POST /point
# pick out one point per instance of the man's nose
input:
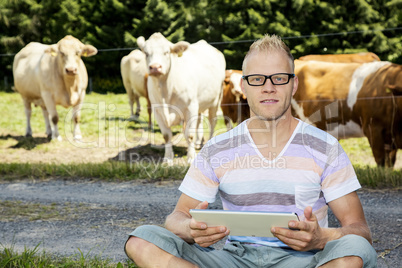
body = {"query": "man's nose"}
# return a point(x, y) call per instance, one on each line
point(268, 86)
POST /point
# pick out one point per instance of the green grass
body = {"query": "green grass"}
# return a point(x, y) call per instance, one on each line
point(377, 177)
point(110, 171)
point(96, 109)
point(372, 177)
point(32, 258)
point(102, 117)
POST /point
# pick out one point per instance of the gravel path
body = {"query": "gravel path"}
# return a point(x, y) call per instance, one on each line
point(67, 217)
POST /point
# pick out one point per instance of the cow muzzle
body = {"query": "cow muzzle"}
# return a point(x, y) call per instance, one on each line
point(71, 71)
point(155, 69)
point(238, 95)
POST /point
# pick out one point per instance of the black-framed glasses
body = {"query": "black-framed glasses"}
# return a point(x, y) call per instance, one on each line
point(260, 79)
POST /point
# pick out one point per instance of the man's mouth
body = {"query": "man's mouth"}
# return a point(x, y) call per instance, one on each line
point(269, 101)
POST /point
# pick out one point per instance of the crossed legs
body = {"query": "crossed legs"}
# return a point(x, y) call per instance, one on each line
point(146, 254)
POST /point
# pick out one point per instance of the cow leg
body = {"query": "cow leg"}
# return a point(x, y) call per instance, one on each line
point(138, 109)
point(51, 108)
point(131, 98)
point(192, 120)
point(28, 112)
point(239, 109)
point(212, 119)
point(149, 108)
point(47, 123)
point(377, 144)
point(228, 122)
point(390, 155)
point(200, 132)
point(134, 116)
point(167, 136)
point(77, 118)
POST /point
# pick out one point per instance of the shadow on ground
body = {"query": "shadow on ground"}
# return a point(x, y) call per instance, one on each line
point(23, 142)
point(148, 152)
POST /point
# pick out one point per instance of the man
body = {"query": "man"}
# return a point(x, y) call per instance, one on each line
point(271, 162)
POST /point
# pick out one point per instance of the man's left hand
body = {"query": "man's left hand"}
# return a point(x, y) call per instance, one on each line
point(307, 236)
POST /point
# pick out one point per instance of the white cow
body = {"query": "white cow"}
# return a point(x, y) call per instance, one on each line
point(50, 75)
point(134, 72)
point(184, 81)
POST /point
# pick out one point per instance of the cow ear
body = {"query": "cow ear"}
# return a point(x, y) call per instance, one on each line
point(394, 90)
point(228, 73)
point(141, 42)
point(52, 49)
point(179, 48)
point(89, 51)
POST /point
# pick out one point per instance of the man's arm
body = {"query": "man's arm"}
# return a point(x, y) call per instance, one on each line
point(183, 225)
point(349, 212)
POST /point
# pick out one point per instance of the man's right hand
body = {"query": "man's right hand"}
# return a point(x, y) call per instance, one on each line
point(204, 235)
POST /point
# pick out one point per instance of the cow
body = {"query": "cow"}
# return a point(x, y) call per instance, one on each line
point(184, 81)
point(354, 57)
point(234, 103)
point(353, 100)
point(50, 75)
point(134, 72)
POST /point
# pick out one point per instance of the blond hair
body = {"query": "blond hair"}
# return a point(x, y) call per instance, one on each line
point(267, 44)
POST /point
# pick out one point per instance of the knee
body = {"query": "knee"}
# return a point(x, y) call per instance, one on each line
point(55, 119)
point(361, 243)
point(135, 248)
point(359, 249)
point(349, 261)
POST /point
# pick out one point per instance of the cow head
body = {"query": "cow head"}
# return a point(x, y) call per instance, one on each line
point(232, 79)
point(159, 52)
point(394, 79)
point(68, 52)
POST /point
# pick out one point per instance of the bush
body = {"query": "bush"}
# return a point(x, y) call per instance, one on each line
point(6, 84)
point(106, 85)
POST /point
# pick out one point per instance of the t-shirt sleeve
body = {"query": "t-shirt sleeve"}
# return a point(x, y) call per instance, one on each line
point(200, 181)
point(339, 177)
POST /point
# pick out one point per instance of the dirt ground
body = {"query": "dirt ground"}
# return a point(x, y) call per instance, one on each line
point(65, 217)
point(39, 150)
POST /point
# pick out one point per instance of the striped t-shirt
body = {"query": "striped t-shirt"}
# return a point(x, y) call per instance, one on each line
point(311, 170)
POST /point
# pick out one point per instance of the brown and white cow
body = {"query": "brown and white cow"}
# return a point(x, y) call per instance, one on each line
point(354, 57)
point(134, 72)
point(353, 100)
point(184, 81)
point(50, 75)
point(234, 103)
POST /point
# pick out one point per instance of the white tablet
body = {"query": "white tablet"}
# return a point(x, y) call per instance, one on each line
point(244, 223)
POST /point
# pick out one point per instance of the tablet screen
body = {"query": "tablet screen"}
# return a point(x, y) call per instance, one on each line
point(244, 223)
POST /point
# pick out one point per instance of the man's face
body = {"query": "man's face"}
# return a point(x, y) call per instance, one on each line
point(269, 102)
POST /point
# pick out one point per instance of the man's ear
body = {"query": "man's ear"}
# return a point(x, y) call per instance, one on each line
point(242, 88)
point(295, 85)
